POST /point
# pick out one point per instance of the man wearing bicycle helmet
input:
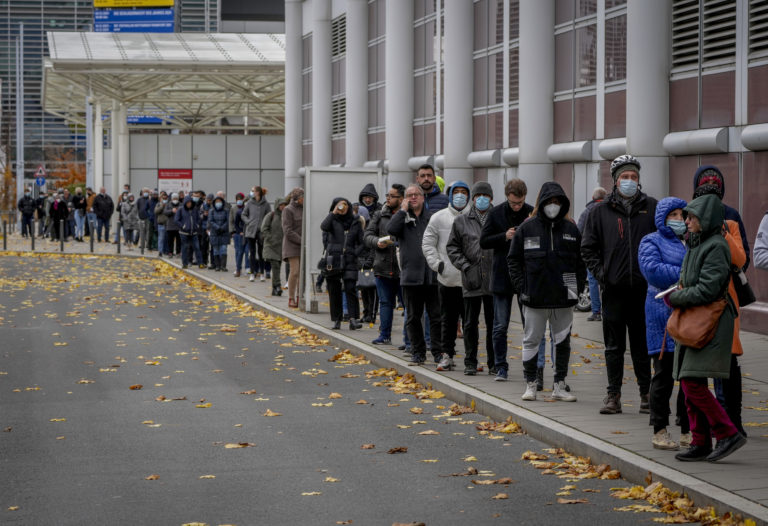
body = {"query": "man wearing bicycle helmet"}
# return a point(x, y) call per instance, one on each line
point(609, 248)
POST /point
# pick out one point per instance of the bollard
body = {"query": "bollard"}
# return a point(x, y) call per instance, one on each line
point(141, 236)
point(93, 234)
point(32, 236)
point(5, 235)
point(119, 228)
point(61, 235)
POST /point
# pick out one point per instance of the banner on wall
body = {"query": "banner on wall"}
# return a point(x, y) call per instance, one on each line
point(173, 180)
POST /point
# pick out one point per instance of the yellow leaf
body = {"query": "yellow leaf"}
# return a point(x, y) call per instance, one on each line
point(136, 387)
point(204, 406)
point(311, 493)
point(334, 395)
point(469, 458)
point(330, 479)
point(152, 477)
point(207, 476)
point(13, 508)
point(402, 426)
point(429, 460)
point(429, 432)
point(361, 402)
point(318, 404)
point(500, 496)
point(269, 412)
point(416, 410)
point(58, 420)
point(147, 422)
point(238, 445)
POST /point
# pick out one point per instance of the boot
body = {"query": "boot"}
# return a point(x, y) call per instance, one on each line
point(354, 324)
point(540, 379)
point(612, 404)
point(223, 263)
point(213, 265)
point(275, 291)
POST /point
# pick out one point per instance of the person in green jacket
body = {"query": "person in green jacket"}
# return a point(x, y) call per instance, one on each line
point(272, 236)
point(704, 278)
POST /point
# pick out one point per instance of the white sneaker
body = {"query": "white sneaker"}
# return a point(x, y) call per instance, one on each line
point(662, 440)
point(685, 440)
point(559, 393)
point(252, 278)
point(262, 278)
point(530, 391)
point(446, 363)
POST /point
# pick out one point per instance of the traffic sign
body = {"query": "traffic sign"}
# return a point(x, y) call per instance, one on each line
point(40, 181)
point(40, 171)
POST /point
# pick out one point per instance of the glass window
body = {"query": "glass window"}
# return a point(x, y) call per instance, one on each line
point(609, 4)
point(586, 42)
point(495, 22)
point(496, 78)
point(564, 61)
point(481, 25)
point(481, 82)
point(514, 75)
point(564, 10)
point(616, 48)
point(587, 7)
point(514, 19)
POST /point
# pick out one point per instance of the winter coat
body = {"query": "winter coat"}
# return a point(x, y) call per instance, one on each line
point(704, 278)
point(89, 203)
point(142, 203)
point(293, 216)
point(370, 190)
point(344, 242)
point(585, 213)
point(26, 205)
point(544, 258)
point(253, 215)
point(58, 211)
point(494, 236)
point(660, 257)
point(738, 260)
point(436, 200)
point(160, 216)
point(40, 203)
point(129, 215)
point(384, 259)
point(272, 232)
point(236, 225)
point(612, 238)
point(103, 206)
point(464, 251)
point(171, 225)
point(188, 219)
point(218, 225)
point(409, 231)
point(434, 242)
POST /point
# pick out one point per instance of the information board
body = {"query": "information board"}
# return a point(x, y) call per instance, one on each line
point(173, 180)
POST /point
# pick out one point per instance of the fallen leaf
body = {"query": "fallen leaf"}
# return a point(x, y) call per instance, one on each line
point(530, 455)
point(331, 479)
point(58, 420)
point(13, 508)
point(619, 433)
point(8, 429)
point(430, 432)
point(269, 412)
point(416, 410)
point(136, 387)
point(500, 496)
point(571, 501)
point(403, 426)
point(207, 477)
point(469, 458)
point(152, 477)
point(401, 449)
point(238, 445)
point(429, 460)
point(250, 392)
point(85, 381)
point(334, 395)
point(361, 402)
point(367, 446)
point(204, 406)
point(311, 493)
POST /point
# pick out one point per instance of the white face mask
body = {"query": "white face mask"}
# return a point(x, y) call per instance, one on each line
point(551, 210)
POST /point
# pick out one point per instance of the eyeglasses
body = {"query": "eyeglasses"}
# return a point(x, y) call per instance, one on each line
point(412, 195)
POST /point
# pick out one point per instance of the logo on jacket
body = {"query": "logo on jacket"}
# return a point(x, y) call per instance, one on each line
point(531, 243)
point(569, 237)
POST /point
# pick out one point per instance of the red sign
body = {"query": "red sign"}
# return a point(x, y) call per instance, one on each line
point(173, 180)
point(170, 173)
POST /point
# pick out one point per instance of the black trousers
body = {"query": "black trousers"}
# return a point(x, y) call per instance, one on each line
point(624, 312)
point(173, 240)
point(205, 245)
point(336, 286)
point(660, 393)
point(471, 325)
point(728, 392)
point(417, 298)
point(451, 307)
point(370, 303)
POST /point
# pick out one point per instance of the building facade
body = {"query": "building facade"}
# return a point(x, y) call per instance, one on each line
point(541, 90)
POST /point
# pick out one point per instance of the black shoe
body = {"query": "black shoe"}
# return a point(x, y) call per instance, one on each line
point(727, 446)
point(492, 370)
point(417, 359)
point(540, 379)
point(366, 319)
point(185, 266)
point(336, 325)
point(470, 370)
point(401, 347)
point(354, 324)
point(595, 317)
point(694, 454)
point(611, 404)
point(274, 291)
point(645, 406)
point(345, 317)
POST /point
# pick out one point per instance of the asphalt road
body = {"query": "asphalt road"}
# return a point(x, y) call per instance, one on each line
point(79, 446)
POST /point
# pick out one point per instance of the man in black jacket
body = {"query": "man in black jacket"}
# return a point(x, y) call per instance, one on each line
point(609, 247)
point(103, 207)
point(26, 206)
point(497, 234)
point(417, 279)
point(385, 266)
point(547, 271)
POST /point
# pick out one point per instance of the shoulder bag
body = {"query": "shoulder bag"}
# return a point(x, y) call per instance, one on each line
point(744, 291)
point(696, 326)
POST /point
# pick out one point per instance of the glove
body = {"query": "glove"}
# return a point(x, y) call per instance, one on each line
point(441, 267)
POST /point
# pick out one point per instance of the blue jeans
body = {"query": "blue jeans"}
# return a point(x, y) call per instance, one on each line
point(196, 246)
point(542, 359)
point(594, 293)
point(90, 217)
point(161, 245)
point(26, 225)
point(102, 223)
point(502, 304)
point(239, 251)
point(79, 223)
point(387, 290)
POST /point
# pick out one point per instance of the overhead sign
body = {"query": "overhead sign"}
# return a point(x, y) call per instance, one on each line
point(144, 119)
point(173, 180)
point(132, 15)
point(133, 3)
point(133, 27)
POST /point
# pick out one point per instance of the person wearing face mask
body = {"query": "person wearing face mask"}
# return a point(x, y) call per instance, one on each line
point(58, 213)
point(78, 205)
point(272, 233)
point(609, 246)
point(475, 264)
point(129, 217)
point(218, 234)
point(162, 221)
point(103, 207)
point(434, 245)
point(172, 236)
point(26, 206)
point(188, 219)
point(236, 230)
point(254, 211)
point(545, 266)
point(660, 257)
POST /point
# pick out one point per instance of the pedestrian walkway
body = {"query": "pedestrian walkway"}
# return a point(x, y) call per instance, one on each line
point(738, 484)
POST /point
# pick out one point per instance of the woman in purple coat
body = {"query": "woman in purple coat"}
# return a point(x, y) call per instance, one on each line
point(660, 256)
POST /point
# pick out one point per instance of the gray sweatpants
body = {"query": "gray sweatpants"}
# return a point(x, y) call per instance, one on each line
point(560, 320)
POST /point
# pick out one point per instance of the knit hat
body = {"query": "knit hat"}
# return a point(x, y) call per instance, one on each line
point(708, 180)
point(624, 161)
point(239, 195)
point(481, 187)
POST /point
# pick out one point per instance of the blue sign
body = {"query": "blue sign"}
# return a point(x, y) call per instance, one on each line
point(133, 27)
point(40, 181)
point(133, 15)
point(144, 119)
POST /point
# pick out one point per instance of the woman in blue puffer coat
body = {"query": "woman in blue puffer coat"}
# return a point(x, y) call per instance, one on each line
point(661, 256)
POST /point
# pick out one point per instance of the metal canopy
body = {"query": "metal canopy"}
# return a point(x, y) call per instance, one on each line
point(190, 81)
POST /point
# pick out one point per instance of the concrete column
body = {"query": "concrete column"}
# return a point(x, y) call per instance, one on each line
point(398, 97)
point(123, 153)
point(98, 148)
point(293, 60)
point(459, 17)
point(321, 82)
point(115, 143)
point(537, 87)
point(648, 90)
point(357, 83)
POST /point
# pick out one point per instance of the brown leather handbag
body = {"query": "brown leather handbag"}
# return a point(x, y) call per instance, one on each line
point(696, 326)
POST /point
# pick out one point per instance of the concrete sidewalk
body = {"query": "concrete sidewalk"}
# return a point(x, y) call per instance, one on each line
point(738, 484)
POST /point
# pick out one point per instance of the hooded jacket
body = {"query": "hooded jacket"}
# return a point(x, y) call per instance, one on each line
point(344, 242)
point(187, 218)
point(26, 205)
point(731, 214)
point(409, 231)
point(612, 236)
point(704, 278)
point(435, 200)
point(660, 257)
point(494, 236)
point(370, 190)
point(436, 236)
point(218, 224)
point(253, 214)
point(544, 258)
point(129, 215)
point(272, 232)
point(171, 225)
point(475, 263)
point(385, 259)
point(293, 216)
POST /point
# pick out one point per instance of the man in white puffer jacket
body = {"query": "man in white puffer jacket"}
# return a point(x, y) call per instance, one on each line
point(449, 277)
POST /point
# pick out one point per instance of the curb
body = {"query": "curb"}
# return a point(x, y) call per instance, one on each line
point(633, 467)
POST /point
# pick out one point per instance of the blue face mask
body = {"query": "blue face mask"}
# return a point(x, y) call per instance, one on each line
point(195, 199)
point(628, 187)
point(677, 226)
point(218, 205)
point(239, 202)
point(459, 200)
point(482, 202)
